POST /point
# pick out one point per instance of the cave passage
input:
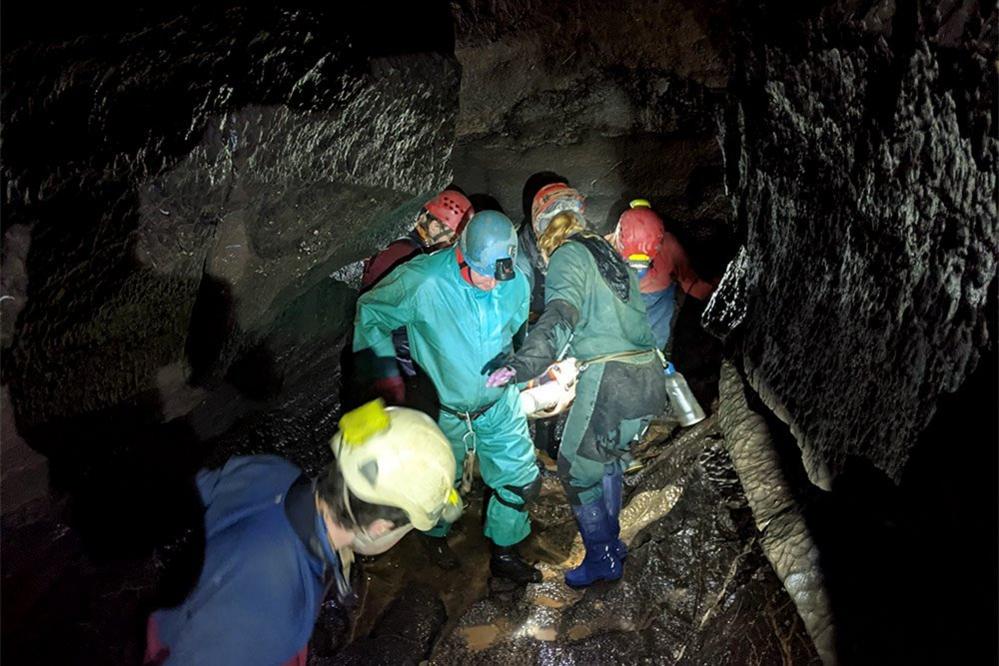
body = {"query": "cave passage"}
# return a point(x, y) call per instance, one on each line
point(189, 197)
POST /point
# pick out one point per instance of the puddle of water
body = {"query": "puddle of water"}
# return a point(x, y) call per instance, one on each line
point(479, 637)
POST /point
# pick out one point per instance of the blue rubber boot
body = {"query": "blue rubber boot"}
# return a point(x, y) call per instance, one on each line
point(600, 562)
point(612, 501)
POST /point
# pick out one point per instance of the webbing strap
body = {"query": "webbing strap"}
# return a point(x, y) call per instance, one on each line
point(468, 416)
point(617, 356)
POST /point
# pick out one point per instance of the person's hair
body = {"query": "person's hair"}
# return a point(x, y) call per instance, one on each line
point(330, 489)
point(561, 227)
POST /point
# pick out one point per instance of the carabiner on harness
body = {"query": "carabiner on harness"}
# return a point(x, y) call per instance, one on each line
point(468, 467)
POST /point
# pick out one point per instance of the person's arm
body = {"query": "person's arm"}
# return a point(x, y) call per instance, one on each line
point(683, 272)
point(390, 305)
point(565, 288)
point(386, 307)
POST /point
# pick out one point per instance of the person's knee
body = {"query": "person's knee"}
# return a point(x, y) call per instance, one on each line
point(531, 491)
point(518, 497)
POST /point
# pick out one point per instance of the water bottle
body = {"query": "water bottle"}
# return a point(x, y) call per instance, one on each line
point(685, 407)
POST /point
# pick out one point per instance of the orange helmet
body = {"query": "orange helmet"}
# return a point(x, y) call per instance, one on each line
point(551, 200)
point(451, 208)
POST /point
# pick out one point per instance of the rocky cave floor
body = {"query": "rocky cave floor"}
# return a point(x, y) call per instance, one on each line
point(696, 588)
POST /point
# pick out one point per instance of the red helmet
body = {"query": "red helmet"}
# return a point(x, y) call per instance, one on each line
point(639, 231)
point(452, 208)
point(552, 199)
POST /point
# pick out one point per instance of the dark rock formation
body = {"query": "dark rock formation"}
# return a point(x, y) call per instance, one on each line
point(785, 537)
point(185, 192)
point(861, 157)
point(619, 98)
point(184, 182)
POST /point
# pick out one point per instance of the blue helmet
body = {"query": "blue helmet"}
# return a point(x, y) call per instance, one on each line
point(489, 244)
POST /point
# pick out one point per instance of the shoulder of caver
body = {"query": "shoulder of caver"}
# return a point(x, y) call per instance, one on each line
point(430, 274)
point(414, 275)
point(519, 288)
point(570, 256)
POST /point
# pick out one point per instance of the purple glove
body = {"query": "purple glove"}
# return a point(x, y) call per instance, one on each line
point(501, 377)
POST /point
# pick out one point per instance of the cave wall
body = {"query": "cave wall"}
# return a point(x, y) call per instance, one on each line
point(861, 155)
point(187, 190)
point(183, 176)
point(620, 99)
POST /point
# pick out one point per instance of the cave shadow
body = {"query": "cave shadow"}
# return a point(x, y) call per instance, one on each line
point(126, 491)
point(534, 183)
point(214, 346)
point(482, 201)
point(357, 383)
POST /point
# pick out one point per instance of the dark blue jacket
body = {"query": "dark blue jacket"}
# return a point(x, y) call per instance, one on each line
point(261, 586)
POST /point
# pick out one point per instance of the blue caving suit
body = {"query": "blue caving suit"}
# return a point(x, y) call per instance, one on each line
point(262, 583)
point(455, 330)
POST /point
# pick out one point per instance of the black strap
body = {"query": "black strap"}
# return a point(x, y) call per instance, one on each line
point(499, 498)
point(469, 415)
point(300, 508)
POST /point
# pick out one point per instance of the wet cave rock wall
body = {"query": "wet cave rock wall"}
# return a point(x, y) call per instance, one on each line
point(861, 157)
point(187, 192)
point(192, 178)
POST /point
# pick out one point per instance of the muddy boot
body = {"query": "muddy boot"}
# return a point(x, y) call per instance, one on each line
point(600, 562)
point(612, 501)
point(440, 552)
point(505, 562)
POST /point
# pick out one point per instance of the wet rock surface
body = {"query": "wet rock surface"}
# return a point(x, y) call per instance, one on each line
point(861, 157)
point(216, 167)
point(785, 537)
point(620, 99)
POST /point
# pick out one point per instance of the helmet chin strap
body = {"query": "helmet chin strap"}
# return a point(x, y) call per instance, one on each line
point(423, 231)
point(345, 554)
point(463, 268)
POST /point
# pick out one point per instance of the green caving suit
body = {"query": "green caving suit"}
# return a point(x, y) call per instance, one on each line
point(454, 330)
point(596, 307)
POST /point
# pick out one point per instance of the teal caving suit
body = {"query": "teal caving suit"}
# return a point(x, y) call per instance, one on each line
point(593, 303)
point(455, 330)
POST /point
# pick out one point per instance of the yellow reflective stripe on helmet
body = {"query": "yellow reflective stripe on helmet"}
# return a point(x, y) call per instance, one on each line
point(359, 424)
point(639, 203)
point(639, 257)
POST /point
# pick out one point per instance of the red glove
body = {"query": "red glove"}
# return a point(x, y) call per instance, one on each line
point(391, 389)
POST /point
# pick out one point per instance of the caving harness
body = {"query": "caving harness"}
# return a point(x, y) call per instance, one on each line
point(469, 440)
point(569, 388)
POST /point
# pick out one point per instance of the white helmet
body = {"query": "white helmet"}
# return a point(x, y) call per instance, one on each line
point(398, 457)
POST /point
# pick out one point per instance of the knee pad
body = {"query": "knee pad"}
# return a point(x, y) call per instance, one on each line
point(532, 490)
point(526, 493)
